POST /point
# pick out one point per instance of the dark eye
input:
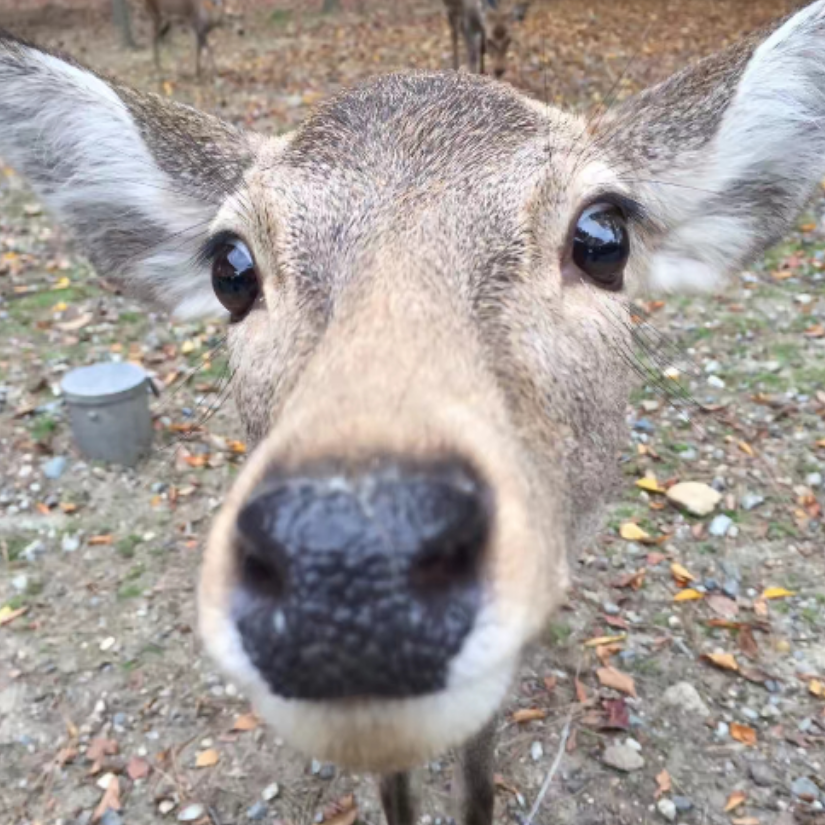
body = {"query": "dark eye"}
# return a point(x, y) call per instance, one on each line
point(234, 277)
point(601, 245)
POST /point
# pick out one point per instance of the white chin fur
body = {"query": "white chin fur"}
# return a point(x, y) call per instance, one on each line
point(377, 735)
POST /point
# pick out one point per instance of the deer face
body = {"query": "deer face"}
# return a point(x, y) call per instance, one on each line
point(426, 287)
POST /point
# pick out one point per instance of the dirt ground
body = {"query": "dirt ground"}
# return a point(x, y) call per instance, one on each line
point(102, 678)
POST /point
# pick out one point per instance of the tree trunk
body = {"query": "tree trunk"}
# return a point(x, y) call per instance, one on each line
point(122, 18)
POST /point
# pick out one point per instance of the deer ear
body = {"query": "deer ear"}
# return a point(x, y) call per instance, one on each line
point(726, 154)
point(138, 179)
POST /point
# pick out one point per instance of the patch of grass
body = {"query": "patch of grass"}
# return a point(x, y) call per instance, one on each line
point(126, 546)
point(16, 602)
point(661, 619)
point(34, 587)
point(129, 591)
point(43, 427)
point(135, 572)
point(280, 17)
point(38, 301)
point(131, 317)
point(811, 615)
point(15, 545)
point(558, 633)
point(647, 667)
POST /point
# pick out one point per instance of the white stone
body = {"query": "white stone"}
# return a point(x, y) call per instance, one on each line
point(695, 497)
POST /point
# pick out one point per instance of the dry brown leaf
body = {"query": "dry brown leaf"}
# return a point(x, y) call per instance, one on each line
point(604, 652)
point(745, 448)
point(653, 559)
point(725, 661)
point(529, 715)
point(98, 540)
point(747, 643)
point(723, 606)
point(207, 759)
point(98, 750)
point(246, 721)
point(745, 820)
point(612, 678)
point(598, 641)
point(581, 692)
point(632, 580)
point(736, 799)
point(664, 782)
point(137, 768)
point(109, 801)
point(760, 607)
point(743, 733)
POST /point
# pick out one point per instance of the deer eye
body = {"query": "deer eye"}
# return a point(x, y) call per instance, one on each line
point(601, 245)
point(234, 277)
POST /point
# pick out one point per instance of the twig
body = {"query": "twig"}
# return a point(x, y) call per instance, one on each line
point(565, 735)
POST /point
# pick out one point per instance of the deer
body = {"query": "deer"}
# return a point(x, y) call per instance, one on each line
point(202, 16)
point(485, 26)
point(428, 292)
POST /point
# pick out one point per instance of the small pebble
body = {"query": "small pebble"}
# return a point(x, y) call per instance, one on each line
point(111, 818)
point(762, 774)
point(55, 467)
point(327, 772)
point(610, 608)
point(814, 479)
point(270, 792)
point(623, 758)
point(256, 811)
point(632, 743)
point(731, 588)
point(191, 812)
point(683, 804)
point(804, 787)
point(722, 730)
point(108, 643)
point(536, 751)
point(685, 697)
point(751, 500)
point(720, 525)
point(667, 808)
point(166, 806)
point(716, 381)
point(69, 543)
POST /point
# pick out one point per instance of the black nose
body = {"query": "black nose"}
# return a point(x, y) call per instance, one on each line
point(361, 585)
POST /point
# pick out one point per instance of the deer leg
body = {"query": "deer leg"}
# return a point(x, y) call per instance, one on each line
point(478, 790)
point(454, 24)
point(397, 799)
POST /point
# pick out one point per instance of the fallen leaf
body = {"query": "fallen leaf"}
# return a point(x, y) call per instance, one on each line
point(664, 782)
point(612, 678)
point(723, 606)
point(207, 758)
point(681, 574)
point(246, 721)
point(598, 641)
point(75, 324)
point(745, 820)
point(747, 643)
point(725, 661)
point(736, 799)
point(110, 801)
point(777, 593)
point(618, 715)
point(687, 595)
point(816, 687)
point(760, 607)
point(616, 621)
point(745, 448)
point(581, 693)
point(650, 484)
point(632, 580)
point(754, 674)
point(655, 558)
point(529, 715)
point(99, 540)
point(137, 768)
point(604, 652)
point(237, 447)
point(8, 615)
point(99, 748)
point(632, 532)
point(743, 733)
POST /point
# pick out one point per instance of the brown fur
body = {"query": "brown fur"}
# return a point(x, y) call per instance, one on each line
point(419, 300)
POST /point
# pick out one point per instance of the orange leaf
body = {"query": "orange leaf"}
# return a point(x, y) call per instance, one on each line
point(98, 540)
point(681, 574)
point(604, 652)
point(207, 759)
point(236, 447)
point(598, 641)
point(736, 799)
point(816, 688)
point(745, 448)
point(664, 783)
point(687, 595)
point(747, 643)
point(109, 801)
point(529, 715)
point(612, 678)
point(745, 820)
point(743, 733)
point(725, 661)
point(68, 507)
point(246, 721)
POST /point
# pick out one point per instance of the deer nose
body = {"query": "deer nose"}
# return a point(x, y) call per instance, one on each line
point(361, 585)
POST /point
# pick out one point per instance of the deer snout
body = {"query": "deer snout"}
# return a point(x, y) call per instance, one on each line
point(360, 585)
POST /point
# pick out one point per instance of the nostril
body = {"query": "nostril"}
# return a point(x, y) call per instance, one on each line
point(263, 559)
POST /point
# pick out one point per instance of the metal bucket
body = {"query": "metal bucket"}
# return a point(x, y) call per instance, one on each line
point(109, 411)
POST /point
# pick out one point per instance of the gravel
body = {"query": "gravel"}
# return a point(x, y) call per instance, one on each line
point(623, 758)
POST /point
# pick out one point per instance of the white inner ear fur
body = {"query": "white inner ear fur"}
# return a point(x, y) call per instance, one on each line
point(75, 120)
point(774, 127)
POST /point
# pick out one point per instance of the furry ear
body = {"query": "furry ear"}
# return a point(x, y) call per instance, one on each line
point(726, 154)
point(137, 178)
